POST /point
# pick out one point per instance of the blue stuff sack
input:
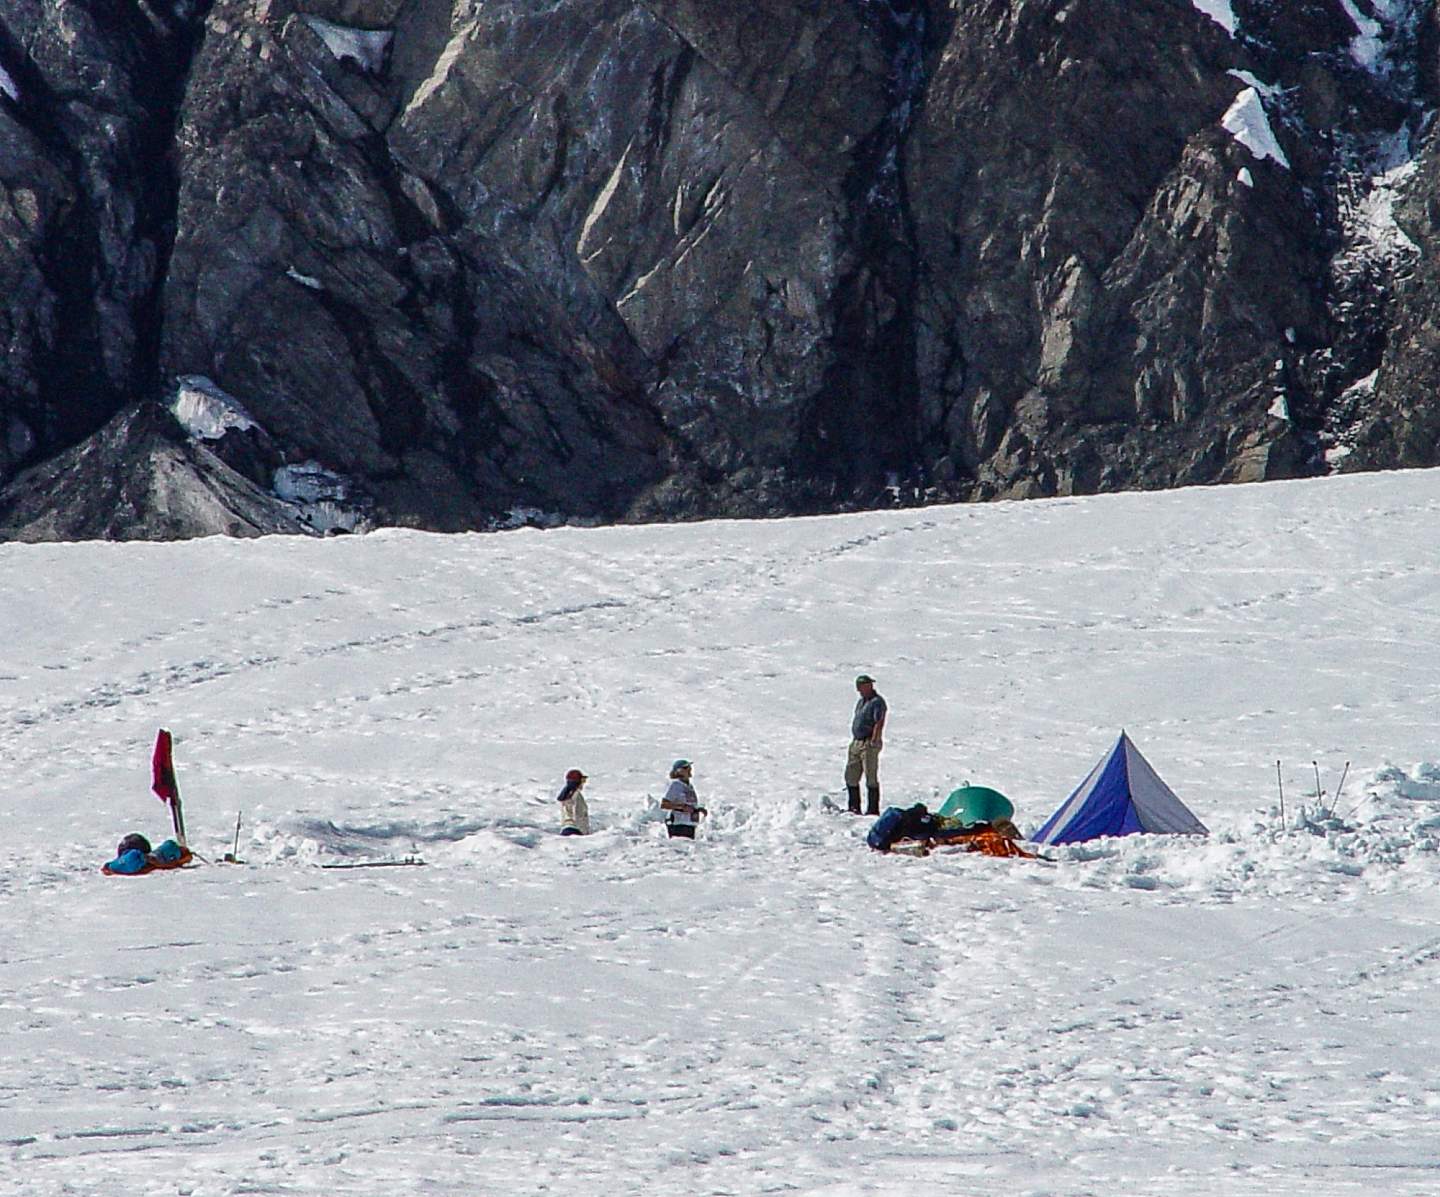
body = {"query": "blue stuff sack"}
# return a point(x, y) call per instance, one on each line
point(129, 862)
point(169, 851)
point(886, 829)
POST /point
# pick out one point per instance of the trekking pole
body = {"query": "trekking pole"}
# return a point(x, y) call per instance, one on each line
point(177, 816)
point(1280, 781)
point(1336, 800)
point(234, 854)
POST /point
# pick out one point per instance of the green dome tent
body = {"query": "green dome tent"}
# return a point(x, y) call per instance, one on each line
point(977, 804)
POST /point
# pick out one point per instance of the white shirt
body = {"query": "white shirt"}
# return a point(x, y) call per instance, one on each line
point(682, 792)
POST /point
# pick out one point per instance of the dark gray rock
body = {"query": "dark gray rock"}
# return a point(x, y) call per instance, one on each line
point(140, 478)
point(667, 258)
point(86, 205)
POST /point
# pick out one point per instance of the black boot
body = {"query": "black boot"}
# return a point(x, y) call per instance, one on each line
point(873, 795)
point(854, 792)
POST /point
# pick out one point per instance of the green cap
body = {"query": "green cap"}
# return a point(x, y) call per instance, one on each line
point(863, 678)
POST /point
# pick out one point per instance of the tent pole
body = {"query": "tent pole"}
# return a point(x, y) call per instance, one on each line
point(1280, 781)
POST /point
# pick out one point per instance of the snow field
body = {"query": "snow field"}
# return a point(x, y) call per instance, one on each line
point(772, 1008)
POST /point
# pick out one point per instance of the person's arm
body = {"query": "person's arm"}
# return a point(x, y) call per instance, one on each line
point(877, 733)
point(676, 798)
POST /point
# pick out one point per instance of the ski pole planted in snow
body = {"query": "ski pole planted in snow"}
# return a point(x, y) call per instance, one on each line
point(1280, 781)
point(233, 856)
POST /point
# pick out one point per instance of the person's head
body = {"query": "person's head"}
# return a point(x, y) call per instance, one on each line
point(681, 769)
point(133, 842)
point(865, 684)
point(575, 778)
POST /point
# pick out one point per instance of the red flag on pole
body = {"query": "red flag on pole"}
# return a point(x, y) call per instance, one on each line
point(164, 784)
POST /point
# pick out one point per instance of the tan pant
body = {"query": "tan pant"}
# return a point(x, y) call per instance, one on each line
point(863, 757)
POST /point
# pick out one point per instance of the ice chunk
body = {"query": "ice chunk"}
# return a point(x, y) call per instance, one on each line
point(308, 483)
point(323, 497)
point(207, 412)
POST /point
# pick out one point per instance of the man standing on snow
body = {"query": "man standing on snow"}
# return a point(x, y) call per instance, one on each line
point(867, 737)
point(682, 803)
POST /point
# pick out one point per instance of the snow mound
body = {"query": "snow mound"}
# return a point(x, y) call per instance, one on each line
point(1386, 838)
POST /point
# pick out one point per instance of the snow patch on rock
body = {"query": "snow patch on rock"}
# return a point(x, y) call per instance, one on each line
point(1245, 120)
point(309, 281)
point(1219, 11)
point(1375, 30)
point(366, 48)
point(1369, 43)
point(1367, 208)
point(7, 85)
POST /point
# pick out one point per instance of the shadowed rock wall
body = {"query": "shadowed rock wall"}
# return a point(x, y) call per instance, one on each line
point(616, 259)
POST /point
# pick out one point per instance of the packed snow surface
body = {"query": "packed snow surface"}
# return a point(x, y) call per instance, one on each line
point(772, 1008)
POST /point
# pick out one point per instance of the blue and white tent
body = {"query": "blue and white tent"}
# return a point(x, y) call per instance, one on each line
point(1122, 796)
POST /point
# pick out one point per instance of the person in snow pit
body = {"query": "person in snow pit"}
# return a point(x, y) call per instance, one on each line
point(682, 803)
point(867, 738)
point(574, 810)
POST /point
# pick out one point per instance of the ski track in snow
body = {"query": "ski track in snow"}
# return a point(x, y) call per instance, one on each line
point(772, 1009)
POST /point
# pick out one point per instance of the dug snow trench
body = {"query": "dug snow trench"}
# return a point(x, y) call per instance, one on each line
point(773, 1008)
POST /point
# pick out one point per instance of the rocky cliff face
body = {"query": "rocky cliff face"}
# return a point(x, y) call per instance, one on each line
point(470, 262)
